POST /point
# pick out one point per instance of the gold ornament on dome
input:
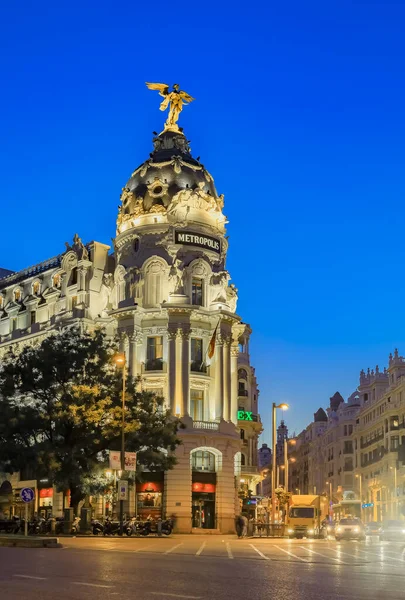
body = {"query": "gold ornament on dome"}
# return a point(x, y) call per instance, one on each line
point(174, 100)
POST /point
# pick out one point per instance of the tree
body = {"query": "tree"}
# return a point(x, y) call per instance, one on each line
point(60, 413)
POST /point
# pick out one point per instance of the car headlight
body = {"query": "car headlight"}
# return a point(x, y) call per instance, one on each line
point(356, 529)
point(338, 530)
point(290, 530)
point(311, 531)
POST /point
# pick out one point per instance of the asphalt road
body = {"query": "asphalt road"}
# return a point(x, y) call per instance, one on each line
point(204, 568)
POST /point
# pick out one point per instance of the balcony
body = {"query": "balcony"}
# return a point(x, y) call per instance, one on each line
point(153, 364)
point(375, 439)
point(198, 367)
point(243, 393)
point(249, 469)
point(211, 425)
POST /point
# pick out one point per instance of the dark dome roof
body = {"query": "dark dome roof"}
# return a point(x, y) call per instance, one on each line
point(336, 400)
point(169, 169)
point(320, 416)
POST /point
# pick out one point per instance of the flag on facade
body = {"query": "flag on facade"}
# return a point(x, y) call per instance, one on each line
point(211, 347)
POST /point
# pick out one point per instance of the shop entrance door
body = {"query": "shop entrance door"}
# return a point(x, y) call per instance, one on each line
point(203, 510)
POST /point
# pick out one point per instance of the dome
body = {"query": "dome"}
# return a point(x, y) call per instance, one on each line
point(320, 416)
point(170, 169)
point(336, 400)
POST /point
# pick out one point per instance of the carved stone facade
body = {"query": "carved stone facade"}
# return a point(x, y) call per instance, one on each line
point(165, 291)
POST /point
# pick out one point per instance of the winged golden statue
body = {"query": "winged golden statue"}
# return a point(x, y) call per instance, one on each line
point(176, 99)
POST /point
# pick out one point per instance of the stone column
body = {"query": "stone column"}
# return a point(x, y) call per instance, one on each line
point(178, 394)
point(234, 383)
point(171, 368)
point(185, 370)
point(134, 340)
point(227, 381)
point(219, 377)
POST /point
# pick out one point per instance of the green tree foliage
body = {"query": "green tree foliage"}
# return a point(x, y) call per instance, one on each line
point(60, 413)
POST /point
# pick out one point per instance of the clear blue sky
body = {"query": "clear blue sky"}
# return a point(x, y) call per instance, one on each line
point(300, 117)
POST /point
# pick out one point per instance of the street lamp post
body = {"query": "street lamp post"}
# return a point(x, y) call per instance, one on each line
point(360, 478)
point(120, 360)
point(329, 483)
point(274, 458)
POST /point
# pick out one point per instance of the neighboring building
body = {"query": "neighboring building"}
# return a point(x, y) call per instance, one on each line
point(165, 291)
point(380, 441)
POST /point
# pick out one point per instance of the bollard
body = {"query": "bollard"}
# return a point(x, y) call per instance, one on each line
point(159, 527)
point(53, 525)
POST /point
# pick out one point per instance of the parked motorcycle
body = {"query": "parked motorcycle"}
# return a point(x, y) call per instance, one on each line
point(75, 526)
point(111, 527)
point(97, 527)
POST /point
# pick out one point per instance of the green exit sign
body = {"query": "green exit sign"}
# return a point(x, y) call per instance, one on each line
point(245, 415)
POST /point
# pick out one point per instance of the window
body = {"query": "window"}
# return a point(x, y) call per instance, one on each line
point(242, 460)
point(73, 276)
point(56, 281)
point(74, 302)
point(17, 295)
point(350, 429)
point(394, 442)
point(13, 324)
point(154, 353)
point(242, 391)
point(242, 434)
point(345, 430)
point(197, 291)
point(33, 316)
point(202, 460)
point(36, 288)
point(365, 397)
point(242, 374)
point(197, 405)
point(197, 359)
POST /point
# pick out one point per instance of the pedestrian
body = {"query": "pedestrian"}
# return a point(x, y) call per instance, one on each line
point(239, 526)
point(245, 525)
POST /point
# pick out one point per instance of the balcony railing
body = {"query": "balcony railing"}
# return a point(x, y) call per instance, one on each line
point(212, 425)
point(198, 367)
point(154, 364)
point(375, 439)
point(243, 393)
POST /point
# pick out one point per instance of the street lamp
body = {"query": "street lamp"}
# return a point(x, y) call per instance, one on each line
point(282, 406)
point(360, 478)
point(120, 361)
point(329, 483)
point(286, 473)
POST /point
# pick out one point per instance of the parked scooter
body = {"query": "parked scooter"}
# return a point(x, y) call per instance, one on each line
point(75, 526)
point(97, 527)
point(111, 527)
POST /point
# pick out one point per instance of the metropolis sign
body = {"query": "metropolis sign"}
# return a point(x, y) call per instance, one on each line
point(189, 238)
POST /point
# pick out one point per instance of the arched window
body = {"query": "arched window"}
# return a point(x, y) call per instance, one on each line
point(242, 374)
point(56, 281)
point(17, 295)
point(202, 460)
point(36, 288)
point(155, 275)
point(73, 276)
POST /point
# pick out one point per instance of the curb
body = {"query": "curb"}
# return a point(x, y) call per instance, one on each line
point(25, 542)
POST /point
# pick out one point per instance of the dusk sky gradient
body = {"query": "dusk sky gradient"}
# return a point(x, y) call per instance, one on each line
point(300, 117)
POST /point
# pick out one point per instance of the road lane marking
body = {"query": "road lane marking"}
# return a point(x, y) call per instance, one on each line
point(228, 549)
point(175, 595)
point(291, 554)
point(31, 577)
point(142, 548)
point(324, 555)
point(201, 548)
point(97, 585)
point(258, 552)
point(382, 557)
point(173, 548)
point(338, 551)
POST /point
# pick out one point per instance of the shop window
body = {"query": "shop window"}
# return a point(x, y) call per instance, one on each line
point(197, 405)
point(197, 291)
point(197, 359)
point(202, 460)
point(154, 353)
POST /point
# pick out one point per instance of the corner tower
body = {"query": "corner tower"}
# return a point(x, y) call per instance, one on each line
point(175, 310)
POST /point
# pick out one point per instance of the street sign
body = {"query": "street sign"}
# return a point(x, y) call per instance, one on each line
point(367, 505)
point(122, 490)
point(27, 494)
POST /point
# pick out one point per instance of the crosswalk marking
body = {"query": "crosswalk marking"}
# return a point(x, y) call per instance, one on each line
point(173, 548)
point(293, 555)
point(201, 548)
point(323, 555)
point(261, 553)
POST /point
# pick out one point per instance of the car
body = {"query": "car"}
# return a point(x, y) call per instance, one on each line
point(393, 531)
point(350, 529)
point(373, 528)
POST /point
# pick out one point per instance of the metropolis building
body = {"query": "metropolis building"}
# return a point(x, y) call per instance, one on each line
point(165, 291)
